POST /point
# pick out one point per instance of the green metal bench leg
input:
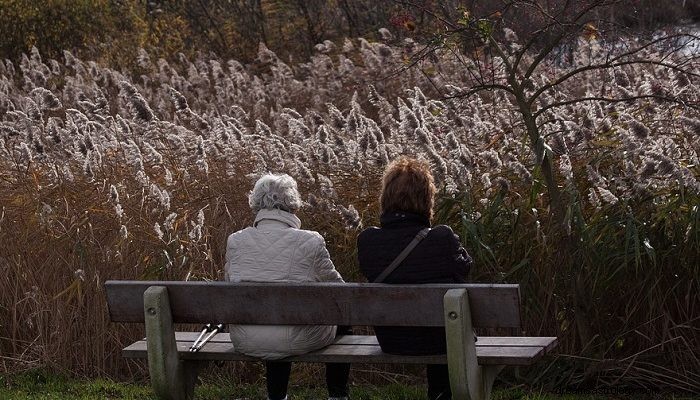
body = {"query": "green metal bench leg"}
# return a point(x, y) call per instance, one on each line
point(468, 380)
point(164, 365)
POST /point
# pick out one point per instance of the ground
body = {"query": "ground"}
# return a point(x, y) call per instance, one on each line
point(39, 385)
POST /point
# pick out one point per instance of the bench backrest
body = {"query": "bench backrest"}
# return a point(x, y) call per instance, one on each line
point(492, 306)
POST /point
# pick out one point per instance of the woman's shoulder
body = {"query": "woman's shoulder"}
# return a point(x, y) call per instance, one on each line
point(308, 234)
point(369, 232)
point(441, 230)
point(239, 235)
point(443, 233)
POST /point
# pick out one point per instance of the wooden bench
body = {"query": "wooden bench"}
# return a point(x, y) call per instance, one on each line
point(473, 366)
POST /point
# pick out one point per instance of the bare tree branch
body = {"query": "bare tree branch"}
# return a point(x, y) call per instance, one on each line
point(480, 88)
point(558, 38)
point(692, 105)
point(586, 68)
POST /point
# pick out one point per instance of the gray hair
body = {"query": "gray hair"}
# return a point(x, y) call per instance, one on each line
point(273, 191)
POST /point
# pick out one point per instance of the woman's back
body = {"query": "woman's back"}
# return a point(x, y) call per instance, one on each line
point(436, 259)
point(276, 250)
point(439, 258)
point(406, 204)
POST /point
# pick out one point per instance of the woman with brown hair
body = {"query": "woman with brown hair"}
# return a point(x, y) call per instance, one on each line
point(405, 250)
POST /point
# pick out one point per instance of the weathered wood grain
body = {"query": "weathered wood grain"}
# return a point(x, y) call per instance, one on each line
point(462, 361)
point(486, 355)
point(165, 369)
point(548, 343)
point(494, 306)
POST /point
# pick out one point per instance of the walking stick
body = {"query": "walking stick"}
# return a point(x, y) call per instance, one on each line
point(208, 328)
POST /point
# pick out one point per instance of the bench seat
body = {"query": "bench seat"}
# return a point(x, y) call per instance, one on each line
point(497, 350)
point(461, 309)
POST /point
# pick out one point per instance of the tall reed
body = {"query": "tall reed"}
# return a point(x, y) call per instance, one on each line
point(106, 176)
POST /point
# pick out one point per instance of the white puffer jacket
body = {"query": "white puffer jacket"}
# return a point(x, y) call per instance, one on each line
point(274, 249)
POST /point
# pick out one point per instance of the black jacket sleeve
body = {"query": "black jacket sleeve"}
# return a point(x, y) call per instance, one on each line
point(459, 258)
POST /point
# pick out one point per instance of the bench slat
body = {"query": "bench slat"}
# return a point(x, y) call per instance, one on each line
point(493, 306)
point(487, 354)
point(548, 343)
point(491, 341)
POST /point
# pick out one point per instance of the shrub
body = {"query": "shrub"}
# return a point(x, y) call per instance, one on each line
point(110, 176)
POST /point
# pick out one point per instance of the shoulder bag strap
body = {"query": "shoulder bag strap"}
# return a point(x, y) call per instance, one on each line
point(420, 236)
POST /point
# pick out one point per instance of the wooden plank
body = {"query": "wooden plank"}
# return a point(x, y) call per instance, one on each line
point(316, 303)
point(548, 343)
point(486, 355)
point(357, 340)
point(493, 341)
point(462, 362)
point(164, 366)
point(224, 338)
point(191, 336)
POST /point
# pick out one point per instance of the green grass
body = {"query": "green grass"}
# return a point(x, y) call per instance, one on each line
point(39, 385)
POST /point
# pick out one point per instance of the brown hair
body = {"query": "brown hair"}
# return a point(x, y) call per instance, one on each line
point(408, 186)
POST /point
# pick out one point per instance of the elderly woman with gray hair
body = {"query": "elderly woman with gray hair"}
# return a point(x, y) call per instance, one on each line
point(275, 249)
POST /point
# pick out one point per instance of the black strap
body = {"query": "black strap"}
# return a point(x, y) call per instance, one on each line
point(420, 236)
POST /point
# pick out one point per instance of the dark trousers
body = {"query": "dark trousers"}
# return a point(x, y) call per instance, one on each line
point(438, 382)
point(277, 375)
point(337, 380)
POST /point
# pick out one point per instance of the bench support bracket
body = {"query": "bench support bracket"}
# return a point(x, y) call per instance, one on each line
point(171, 378)
point(468, 380)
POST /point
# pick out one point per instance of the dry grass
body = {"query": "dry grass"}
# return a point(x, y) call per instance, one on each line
point(621, 290)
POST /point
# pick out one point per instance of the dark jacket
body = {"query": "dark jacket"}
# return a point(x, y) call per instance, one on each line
point(439, 258)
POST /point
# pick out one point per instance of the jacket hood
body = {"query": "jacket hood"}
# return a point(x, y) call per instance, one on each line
point(395, 219)
point(279, 216)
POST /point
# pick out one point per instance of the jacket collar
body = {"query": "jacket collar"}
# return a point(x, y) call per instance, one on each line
point(395, 219)
point(277, 217)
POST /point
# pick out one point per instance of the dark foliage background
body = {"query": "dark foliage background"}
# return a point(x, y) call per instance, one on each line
point(113, 30)
point(170, 92)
